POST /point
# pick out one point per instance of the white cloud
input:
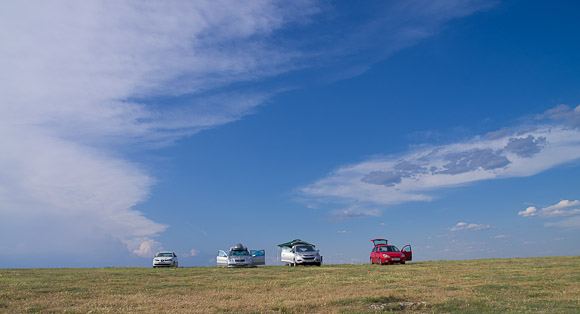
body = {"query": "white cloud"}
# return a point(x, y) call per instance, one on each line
point(193, 252)
point(72, 76)
point(465, 226)
point(417, 174)
point(562, 204)
point(341, 231)
point(557, 210)
point(148, 248)
point(530, 211)
point(500, 236)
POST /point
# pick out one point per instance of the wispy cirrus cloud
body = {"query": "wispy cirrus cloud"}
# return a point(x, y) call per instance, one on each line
point(416, 175)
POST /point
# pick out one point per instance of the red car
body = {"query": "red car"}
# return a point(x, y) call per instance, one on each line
point(384, 253)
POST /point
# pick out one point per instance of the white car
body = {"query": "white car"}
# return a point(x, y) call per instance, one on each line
point(165, 259)
point(298, 252)
point(239, 256)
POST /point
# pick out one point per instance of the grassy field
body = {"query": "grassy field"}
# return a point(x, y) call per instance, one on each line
point(536, 285)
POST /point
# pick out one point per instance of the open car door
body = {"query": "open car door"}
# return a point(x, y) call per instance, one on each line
point(258, 257)
point(222, 258)
point(408, 253)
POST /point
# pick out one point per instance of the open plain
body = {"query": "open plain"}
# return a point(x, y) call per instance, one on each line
point(537, 285)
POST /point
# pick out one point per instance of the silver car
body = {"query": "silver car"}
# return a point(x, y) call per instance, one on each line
point(239, 256)
point(165, 259)
point(298, 252)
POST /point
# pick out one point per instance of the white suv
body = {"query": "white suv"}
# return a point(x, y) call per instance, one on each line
point(298, 252)
point(165, 259)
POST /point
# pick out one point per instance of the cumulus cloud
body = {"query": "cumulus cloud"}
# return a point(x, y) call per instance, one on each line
point(562, 204)
point(465, 226)
point(416, 175)
point(148, 248)
point(558, 210)
point(530, 211)
point(193, 252)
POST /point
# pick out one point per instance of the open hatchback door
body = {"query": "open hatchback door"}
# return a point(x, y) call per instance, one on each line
point(408, 253)
point(258, 257)
point(380, 241)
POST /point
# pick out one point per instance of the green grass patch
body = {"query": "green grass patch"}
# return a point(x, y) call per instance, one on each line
point(523, 285)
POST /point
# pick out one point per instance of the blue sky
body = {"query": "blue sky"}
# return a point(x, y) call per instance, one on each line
point(128, 128)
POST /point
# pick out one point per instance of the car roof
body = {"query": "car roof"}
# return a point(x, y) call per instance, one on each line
point(166, 252)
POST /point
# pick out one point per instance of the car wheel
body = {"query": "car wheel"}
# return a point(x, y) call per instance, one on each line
point(176, 265)
point(402, 262)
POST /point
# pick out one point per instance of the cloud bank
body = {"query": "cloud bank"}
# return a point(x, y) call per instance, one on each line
point(551, 140)
point(75, 76)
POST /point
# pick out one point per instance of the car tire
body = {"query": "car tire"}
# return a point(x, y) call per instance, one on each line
point(371, 261)
point(176, 265)
point(402, 263)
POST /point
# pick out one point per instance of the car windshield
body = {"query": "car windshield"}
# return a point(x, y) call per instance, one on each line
point(164, 255)
point(389, 249)
point(305, 248)
point(239, 253)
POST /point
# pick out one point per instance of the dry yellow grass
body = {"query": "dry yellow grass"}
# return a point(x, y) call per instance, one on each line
point(538, 285)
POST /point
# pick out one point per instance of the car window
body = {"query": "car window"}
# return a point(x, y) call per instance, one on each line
point(164, 255)
point(389, 249)
point(305, 248)
point(239, 253)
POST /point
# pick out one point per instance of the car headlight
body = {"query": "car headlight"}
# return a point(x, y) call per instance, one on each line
point(385, 255)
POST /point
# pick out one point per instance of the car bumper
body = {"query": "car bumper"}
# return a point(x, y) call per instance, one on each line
point(392, 261)
point(314, 261)
point(240, 264)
